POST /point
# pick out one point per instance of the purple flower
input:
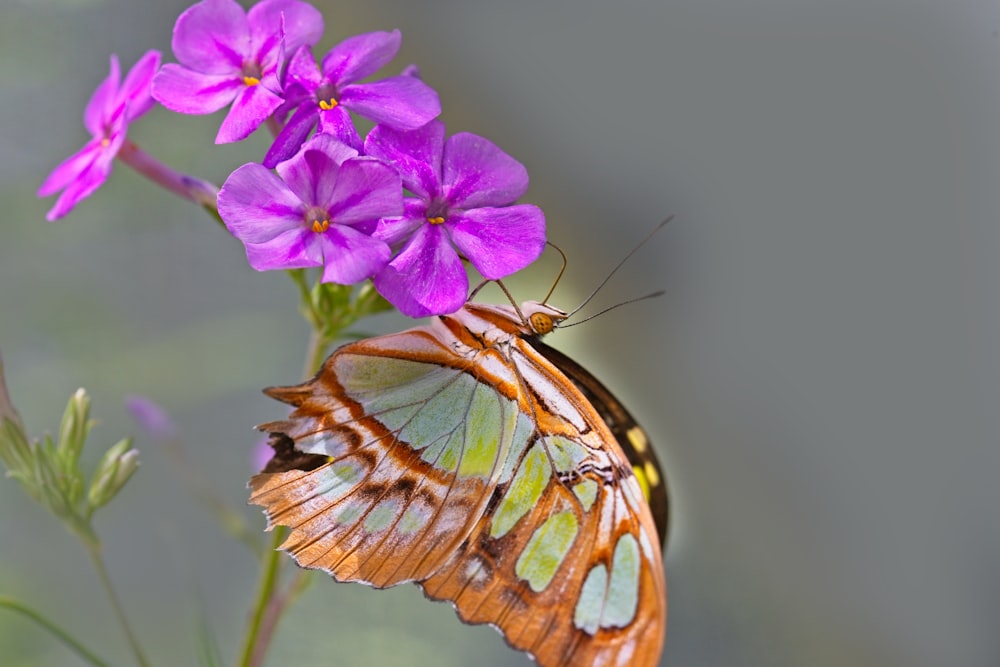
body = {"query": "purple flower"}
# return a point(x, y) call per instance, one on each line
point(326, 95)
point(464, 188)
point(111, 108)
point(321, 212)
point(228, 55)
point(152, 418)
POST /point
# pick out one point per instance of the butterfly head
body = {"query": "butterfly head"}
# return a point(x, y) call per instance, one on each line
point(541, 318)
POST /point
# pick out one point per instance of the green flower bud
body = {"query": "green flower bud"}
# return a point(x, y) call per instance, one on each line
point(73, 430)
point(115, 469)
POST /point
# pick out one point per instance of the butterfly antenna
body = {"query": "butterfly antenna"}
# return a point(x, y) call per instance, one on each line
point(510, 298)
point(561, 270)
point(652, 295)
point(615, 270)
point(475, 290)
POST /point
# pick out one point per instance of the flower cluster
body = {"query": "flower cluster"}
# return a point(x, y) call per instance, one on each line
point(405, 205)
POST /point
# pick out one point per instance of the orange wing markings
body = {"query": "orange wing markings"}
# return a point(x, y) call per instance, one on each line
point(575, 578)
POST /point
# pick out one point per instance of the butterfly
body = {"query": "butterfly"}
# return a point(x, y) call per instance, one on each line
point(492, 470)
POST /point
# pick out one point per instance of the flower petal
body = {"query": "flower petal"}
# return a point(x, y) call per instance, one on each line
point(257, 206)
point(212, 37)
point(103, 101)
point(360, 56)
point(292, 249)
point(366, 190)
point(136, 89)
point(416, 155)
point(476, 173)
point(251, 108)
point(392, 230)
point(337, 121)
point(71, 168)
point(403, 102)
point(351, 256)
point(292, 135)
point(303, 70)
point(186, 91)
point(426, 278)
point(302, 24)
point(313, 172)
point(80, 188)
point(499, 241)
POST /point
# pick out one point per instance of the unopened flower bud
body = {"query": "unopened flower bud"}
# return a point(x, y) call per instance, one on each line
point(115, 469)
point(73, 429)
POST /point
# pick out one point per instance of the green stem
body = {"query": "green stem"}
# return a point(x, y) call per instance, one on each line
point(315, 354)
point(255, 643)
point(251, 653)
point(72, 643)
point(102, 572)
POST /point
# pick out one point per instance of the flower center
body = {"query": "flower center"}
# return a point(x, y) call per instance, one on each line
point(251, 74)
point(437, 212)
point(317, 219)
point(327, 97)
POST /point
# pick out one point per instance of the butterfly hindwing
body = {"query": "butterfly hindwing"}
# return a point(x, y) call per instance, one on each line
point(458, 457)
point(630, 436)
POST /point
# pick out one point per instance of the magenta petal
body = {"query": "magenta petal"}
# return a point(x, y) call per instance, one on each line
point(71, 168)
point(292, 249)
point(366, 189)
point(81, 188)
point(303, 23)
point(476, 173)
point(350, 256)
point(293, 134)
point(212, 37)
point(311, 175)
point(426, 278)
point(138, 84)
point(303, 70)
point(186, 91)
point(103, 100)
point(499, 241)
point(395, 229)
point(257, 206)
point(313, 172)
point(402, 102)
point(251, 108)
point(360, 56)
point(337, 122)
point(416, 155)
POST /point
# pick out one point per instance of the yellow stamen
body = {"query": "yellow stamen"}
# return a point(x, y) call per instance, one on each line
point(326, 105)
point(105, 142)
point(437, 220)
point(320, 226)
point(251, 80)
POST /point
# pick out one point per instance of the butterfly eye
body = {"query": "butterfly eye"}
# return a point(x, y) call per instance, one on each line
point(541, 323)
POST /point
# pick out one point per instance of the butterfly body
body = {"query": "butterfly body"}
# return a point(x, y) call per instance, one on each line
point(458, 456)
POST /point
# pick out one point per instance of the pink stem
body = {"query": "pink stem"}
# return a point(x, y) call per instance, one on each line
point(194, 189)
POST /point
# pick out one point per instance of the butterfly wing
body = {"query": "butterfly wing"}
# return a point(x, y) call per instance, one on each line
point(405, 452)
point(630, 436)
point(485, 476)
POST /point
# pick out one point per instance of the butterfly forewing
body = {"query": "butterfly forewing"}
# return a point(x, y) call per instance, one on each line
point(458, 457)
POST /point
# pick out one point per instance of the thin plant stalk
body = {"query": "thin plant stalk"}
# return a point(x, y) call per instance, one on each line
point(255, 642)
point(102, 573)
point(71, 642)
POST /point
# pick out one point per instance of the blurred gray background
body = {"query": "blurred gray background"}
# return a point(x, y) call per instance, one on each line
point(820, 378)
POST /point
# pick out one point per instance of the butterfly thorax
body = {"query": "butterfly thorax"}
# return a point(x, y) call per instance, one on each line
point(495, 324)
